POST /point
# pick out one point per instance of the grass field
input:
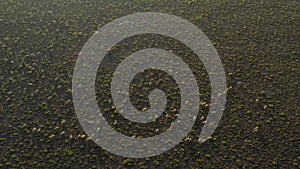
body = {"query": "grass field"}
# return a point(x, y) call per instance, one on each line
point(257, 41)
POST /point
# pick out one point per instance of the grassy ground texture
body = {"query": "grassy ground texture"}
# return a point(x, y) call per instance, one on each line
point(258, 43)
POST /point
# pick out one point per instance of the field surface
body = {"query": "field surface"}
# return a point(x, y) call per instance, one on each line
point(257, 41)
